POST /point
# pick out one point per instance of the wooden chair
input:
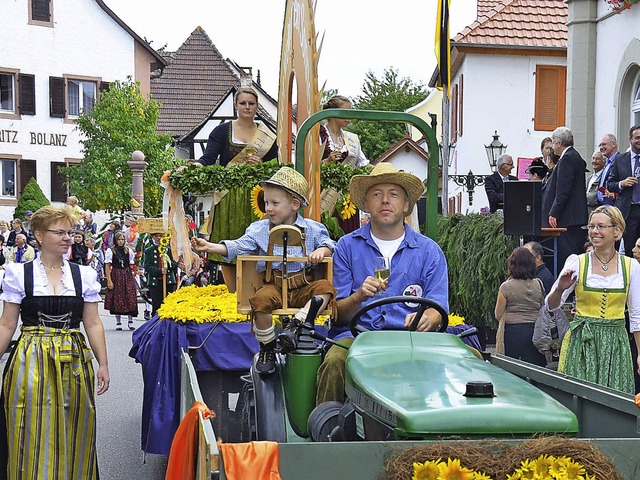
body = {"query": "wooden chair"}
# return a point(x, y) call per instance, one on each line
point(248, 280)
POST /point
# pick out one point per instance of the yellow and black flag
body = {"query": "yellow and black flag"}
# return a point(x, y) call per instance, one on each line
point(443, 46)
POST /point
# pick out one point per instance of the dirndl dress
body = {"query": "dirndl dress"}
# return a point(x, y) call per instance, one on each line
point(596, 347)
point(48, 402)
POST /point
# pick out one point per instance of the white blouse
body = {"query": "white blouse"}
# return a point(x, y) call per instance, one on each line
point(108, 256)
point(595, 280)
point(13, 282)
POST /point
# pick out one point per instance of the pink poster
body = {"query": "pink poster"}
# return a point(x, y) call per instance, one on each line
point(523, 164)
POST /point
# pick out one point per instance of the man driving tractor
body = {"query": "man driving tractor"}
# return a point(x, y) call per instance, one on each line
point(417, 267)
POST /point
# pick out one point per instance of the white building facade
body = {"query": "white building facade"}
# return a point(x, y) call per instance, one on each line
point(57, 57)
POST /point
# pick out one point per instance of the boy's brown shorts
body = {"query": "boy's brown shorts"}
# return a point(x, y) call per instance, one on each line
point(269, 297)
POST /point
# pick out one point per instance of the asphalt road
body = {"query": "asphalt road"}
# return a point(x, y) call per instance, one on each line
point(119, 412)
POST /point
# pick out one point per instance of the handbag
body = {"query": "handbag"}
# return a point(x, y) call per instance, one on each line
point(548, 332)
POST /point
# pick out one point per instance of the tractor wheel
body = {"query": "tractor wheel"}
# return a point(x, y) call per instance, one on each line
point(322, 420)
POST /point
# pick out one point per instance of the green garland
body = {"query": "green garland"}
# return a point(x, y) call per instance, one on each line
point(203, 180)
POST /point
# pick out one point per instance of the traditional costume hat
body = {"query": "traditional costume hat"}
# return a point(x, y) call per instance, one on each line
point(291, 181)
point(384, 172)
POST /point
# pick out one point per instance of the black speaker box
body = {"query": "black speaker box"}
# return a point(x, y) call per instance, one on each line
point(522, 208)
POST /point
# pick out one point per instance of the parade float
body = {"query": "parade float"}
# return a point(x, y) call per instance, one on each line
point(419, 405)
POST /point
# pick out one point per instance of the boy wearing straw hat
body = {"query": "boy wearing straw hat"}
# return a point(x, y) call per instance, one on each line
point(417, 267)
point(284, 194)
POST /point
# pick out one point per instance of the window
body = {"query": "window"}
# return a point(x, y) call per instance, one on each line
point(40, 12)
point(81, 97)
point(70, 97)
point(551, 95)
point(454, 113)
point(7, 178)
point(7, 93)
point(635, 103)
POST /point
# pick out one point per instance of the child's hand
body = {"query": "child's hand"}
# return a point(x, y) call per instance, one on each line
point(199, 244)
point(318, 255)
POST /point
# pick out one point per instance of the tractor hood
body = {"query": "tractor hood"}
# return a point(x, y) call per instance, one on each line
point(417, 384)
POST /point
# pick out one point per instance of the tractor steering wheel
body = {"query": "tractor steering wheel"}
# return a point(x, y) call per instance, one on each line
point(424, 304)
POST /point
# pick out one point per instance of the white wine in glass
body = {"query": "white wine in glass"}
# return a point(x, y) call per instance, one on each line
point(382, 269)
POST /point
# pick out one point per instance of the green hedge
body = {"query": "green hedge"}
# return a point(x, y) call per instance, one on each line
point(476, 250)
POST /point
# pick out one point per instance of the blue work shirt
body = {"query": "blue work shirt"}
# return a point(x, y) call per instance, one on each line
point(255, 241)
point(418, 268)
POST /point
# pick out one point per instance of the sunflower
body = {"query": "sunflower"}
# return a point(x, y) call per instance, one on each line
point(452, 470)
point(426, 470)
point(348, 208)
point(574, 471)
point(257, 201)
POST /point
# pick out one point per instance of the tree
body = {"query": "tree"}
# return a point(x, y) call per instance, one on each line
point(120, 123)
point(387, 93)
point(31, 199)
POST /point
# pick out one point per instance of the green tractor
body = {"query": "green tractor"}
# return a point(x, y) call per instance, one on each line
point(399, 385)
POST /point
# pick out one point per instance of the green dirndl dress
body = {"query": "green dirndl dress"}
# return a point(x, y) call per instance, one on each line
point(596, 347)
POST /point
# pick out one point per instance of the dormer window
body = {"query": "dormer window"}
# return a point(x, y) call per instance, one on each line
point(41, 12)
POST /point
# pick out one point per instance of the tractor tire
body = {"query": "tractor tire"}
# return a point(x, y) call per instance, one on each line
point(322, 421)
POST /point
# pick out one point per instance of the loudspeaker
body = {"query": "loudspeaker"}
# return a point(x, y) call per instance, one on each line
point(522, 208)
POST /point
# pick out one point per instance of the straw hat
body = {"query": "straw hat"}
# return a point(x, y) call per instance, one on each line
point(290, 180)
point(384, 172)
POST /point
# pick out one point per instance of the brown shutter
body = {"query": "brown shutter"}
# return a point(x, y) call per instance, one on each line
point(58, 183)
point(27, 86)
point(56, 97)
point(460, 102)
point(551, 94)
point(105, 86)
point(27, 172)
point(454, 113)
point(40, 10)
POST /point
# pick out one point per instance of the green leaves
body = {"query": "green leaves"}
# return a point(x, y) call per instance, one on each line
point(477, 251)
point(387, 93)
point(120, 123)
point(202, 180)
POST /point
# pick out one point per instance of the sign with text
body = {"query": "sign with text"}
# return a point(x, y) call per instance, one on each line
point(150, 225)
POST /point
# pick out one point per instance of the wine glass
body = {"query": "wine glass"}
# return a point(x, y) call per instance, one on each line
point(381, 270)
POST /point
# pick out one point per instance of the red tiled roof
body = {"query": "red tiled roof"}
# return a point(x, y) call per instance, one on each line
point(518, 23)
point(192, 84)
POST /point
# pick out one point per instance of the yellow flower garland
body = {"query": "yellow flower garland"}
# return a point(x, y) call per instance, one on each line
point(545, 467)
point(212, 303)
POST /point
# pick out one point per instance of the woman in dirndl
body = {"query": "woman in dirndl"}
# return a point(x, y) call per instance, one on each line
point(48, 416)
point(340, 146)
point(122, 295)
point(596, 347)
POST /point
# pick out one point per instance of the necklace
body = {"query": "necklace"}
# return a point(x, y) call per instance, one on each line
point(49, 266)
point(605, 265)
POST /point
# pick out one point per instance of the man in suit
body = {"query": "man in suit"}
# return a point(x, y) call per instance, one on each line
point(609, 148)
point(623, 180)
point(494, 183)
point(567, 189)
point(598, 161)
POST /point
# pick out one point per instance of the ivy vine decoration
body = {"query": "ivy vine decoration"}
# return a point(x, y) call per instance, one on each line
point(207, 179)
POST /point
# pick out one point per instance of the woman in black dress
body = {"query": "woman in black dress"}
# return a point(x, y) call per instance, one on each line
point(121, 298)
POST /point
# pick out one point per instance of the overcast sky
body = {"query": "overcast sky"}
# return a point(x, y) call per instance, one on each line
point(360, 35)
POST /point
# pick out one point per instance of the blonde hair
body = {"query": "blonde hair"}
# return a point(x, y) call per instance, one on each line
point(46, 216)
point(613, 213)
point(335, 102)
point(241, 90)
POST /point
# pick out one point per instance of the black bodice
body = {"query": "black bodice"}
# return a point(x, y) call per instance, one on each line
point(53, 311)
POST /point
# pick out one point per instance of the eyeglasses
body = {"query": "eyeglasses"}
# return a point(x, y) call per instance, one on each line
point(598, 227)
point(62, 233)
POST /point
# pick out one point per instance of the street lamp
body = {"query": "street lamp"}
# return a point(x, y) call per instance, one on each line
point(494, 150)
point(470, 181)
point(452, 152)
